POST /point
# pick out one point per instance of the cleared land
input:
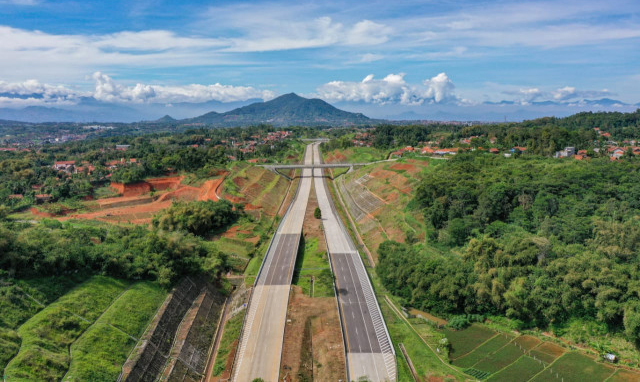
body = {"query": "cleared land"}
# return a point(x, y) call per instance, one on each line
point(378, 196)
point(313, 347)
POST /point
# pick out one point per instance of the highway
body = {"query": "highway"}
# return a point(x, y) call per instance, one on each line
point(260, 347)
point(369, 350)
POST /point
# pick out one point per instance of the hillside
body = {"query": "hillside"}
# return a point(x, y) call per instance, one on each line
point(289, 109)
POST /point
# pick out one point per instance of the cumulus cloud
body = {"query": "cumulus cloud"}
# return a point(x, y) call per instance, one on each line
point(391, 89)
point(569, 92)
point(33, 92)
point(109, 91)
point(564, 94)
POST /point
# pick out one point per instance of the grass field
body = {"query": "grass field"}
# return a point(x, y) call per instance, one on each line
point(231, 334)
point(464, 341)
point(622, 375)
point(521, 370)
point(46, 337)
point(101, 350)
point(425, 361)
point(492, 345)
point(547, 352)
point(22, 299)
point(575, 367)
point(312, 262)
point(355, 154)
point(500, 359)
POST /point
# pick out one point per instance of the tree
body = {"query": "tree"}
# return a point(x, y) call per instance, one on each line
point(317, 213)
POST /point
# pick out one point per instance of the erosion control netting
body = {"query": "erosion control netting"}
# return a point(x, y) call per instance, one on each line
point(156, 351)
point(194, 352)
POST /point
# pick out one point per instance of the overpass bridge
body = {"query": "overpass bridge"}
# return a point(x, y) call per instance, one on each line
point(275, 167)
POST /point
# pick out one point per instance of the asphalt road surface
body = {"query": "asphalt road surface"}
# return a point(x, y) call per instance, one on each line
point(260, 346)
point(370, 353)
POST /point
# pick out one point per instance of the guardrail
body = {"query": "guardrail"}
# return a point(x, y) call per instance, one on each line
point(244, 320)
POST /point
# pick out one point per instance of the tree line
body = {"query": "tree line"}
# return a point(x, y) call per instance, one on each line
point(538, 240)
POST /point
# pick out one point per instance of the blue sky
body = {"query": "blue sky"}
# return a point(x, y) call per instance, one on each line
point(381, 56)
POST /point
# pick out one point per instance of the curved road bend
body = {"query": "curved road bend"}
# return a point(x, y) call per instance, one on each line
point(260, 347)
point(370, 353)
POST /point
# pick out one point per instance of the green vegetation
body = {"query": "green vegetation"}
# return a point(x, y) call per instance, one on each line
point(313, 263)
point(464, 341)
point(199, 218)
point(53, 248)
point(232, 330)
point(47, 335)
point(317, 213)
point(20, 300)
point(424, 359)
point(523, 369)
point(575, 367)
point(100, 352)
point(541, 240)
point(479, 353)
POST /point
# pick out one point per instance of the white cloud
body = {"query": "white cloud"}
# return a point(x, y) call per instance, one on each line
point(561, 95)
point(391, 89)
point(370, 57)
point(109, 91)
point(544, 24)
point(570, 92)
point(315, 33)
point(33, 92)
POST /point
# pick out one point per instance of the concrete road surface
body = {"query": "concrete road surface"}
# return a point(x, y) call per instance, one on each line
point(369, 350)
point(260, 347)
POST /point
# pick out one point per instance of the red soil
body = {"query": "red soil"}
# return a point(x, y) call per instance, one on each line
point(140, 208)
point(43, 214)
point(403, 166)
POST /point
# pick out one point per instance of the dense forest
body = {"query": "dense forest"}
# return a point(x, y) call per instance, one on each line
point(53, 248)
point(543, 136)
point(539, 240)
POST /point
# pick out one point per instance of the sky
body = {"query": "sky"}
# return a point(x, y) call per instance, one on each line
point(386, 58)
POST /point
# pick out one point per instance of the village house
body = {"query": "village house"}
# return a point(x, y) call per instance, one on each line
point(64, 165)
point(117, 163)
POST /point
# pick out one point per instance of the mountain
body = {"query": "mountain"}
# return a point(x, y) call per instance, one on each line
point(286, 110)
point(166, 119)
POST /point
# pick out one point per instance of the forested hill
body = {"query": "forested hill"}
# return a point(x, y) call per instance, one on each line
point(289, 109)
point(539, 240)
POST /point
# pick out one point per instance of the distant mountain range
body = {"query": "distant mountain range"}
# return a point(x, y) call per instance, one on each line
point(291, 109)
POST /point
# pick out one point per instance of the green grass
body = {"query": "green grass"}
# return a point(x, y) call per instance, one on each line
point(17, 307)
point(576, 367)
point(483, 350)
point(424, 360)
point(622, 375)
point(46, 337)
point(231, 333)
point(359, 154)
point(521, 370)
point(464, 341)
point(100, 352)
point(500, 359)
point(104, 192)
point(312, 262)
